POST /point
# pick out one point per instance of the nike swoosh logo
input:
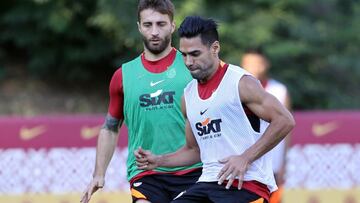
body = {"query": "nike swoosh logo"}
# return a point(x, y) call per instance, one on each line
point(30, 133)
point(90, 132)
point(180, 194)
point(202, 112)
point(137, 184)
point(155, 94)
point(155, 83)
point(320, 130)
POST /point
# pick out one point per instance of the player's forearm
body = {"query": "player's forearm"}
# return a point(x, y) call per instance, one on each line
point(185, 156)
point(106, 145)
point(277, 130)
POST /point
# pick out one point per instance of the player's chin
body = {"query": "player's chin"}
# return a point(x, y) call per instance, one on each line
point(196, 74)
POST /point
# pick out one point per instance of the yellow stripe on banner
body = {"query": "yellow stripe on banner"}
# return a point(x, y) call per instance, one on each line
point(322, 196)
point(98, 197)
point(261, 200)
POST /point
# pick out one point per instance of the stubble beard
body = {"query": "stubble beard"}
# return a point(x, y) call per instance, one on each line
point(202, 75)
point(163, 44)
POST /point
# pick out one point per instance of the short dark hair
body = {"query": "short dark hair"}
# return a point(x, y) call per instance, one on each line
point(161, 6)
point(256, 50)
point(192, 26)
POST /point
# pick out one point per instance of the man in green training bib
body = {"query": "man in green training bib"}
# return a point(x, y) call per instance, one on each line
point(146, 94)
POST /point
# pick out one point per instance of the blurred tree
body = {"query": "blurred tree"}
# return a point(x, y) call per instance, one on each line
point(313, 45)
point(58, 39)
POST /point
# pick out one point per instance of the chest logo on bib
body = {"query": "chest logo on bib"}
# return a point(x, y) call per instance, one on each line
point(209, 128)
point(171, 73)
point(202, 112)
point(157, 100)
point(152, 84)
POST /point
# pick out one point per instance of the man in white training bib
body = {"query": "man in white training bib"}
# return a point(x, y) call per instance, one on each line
point(236, 167)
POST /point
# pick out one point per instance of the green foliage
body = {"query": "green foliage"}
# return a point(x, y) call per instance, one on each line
point(62, 39)
point(313, 45)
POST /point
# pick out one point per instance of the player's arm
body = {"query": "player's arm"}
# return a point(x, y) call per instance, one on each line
point(106, 144)
point(268, 108)
point(108, 137)
point(187, 155)
point(105, 148)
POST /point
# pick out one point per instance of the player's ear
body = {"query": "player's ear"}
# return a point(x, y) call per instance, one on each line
point(173, 27)
point(215, 48)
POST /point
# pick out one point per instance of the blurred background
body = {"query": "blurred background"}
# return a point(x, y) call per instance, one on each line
point(57, 58)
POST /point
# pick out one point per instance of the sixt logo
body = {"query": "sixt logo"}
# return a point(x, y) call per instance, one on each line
point(157, 98)
point(208, 126)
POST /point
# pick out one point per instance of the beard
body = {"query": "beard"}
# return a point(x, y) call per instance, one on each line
point(157, 49)
point(201, 74)
point(198, 74)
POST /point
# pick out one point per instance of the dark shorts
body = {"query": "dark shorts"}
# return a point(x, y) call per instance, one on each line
point(162, 188)
point(213, 193)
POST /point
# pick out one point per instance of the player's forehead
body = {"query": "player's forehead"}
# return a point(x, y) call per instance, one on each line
point(192, 44)
point(151, 15)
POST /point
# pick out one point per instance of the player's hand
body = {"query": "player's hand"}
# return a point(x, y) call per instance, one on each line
point(235, 168)
point(145, 160)
point(95, 184)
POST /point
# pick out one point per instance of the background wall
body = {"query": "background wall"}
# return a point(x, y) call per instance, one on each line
point(50, 159)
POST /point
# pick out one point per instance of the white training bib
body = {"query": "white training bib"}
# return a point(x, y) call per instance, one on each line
point(222, 129)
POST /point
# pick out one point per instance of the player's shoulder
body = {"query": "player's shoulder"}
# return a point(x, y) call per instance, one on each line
point(117, 75)
point(118, 70)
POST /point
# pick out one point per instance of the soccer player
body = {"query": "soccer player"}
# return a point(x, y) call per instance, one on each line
point(146, 94)
point(256, 62)
point(236, 166)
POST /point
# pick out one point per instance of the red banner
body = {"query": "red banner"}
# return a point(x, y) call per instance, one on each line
point(81, 131)
point(53, 131)
point(326, 127)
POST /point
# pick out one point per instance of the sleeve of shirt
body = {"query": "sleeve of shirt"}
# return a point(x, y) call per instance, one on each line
point(116, 92)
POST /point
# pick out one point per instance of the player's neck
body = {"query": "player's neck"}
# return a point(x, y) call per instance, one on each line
point(149, 56)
